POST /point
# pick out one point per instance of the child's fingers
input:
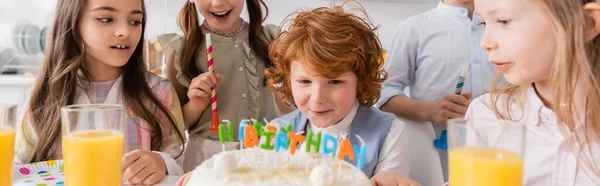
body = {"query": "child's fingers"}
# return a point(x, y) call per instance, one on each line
point(187, 179)
point(204, 78)
point(205, 85)
point(142, 175)
point(180, 181)
point(130, 158)
point(373, 182)
point(196, 93)
point(184, 180)
point(154, 178)
point(219, 78)
point(200, 91)
point(457, 99)
point(448, 114)
point(132, 170)
point(468, 96)
point(212, 79)
point(453, 107)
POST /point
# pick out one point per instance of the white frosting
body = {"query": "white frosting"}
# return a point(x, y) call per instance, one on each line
point(227, 162)
point(322, 175)
point(269, 168)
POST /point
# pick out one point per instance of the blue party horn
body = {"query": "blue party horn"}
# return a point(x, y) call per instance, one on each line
point(442, 142)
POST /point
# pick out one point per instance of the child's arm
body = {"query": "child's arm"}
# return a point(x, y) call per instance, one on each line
point(24, 147)
point(194, 99)
point(190, 113)
point(25, 137)
point(401, 66)
point(394, 153)
point(171, 143)
point(448, 107)
point(145, 167)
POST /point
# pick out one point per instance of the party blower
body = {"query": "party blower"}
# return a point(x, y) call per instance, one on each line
point(213, 93)
point(442, 142)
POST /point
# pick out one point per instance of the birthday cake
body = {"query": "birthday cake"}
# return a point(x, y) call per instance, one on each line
point(256, 166)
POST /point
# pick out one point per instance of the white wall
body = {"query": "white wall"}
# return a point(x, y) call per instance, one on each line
point(162, 13)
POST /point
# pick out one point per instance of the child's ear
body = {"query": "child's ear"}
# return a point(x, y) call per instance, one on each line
point(593, 11)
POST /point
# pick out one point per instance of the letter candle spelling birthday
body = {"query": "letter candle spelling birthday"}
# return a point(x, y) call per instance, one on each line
point(243, 124)
point(223, 133)
point(286, 139)
point(213, 94)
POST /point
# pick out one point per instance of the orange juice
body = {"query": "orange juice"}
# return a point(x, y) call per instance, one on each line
point(7, 144)
point(93, 158)
point(476, 166)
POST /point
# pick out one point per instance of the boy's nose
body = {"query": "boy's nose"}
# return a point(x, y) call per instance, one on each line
point(318, 96)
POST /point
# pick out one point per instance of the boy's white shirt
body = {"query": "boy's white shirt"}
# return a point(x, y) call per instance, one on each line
point(393, 155)
point(548, 159)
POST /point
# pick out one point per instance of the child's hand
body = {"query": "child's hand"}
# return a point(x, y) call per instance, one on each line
point(392, 178)
point(450, 106)
point(143, 167)
point(199, 90)
point(184, 179)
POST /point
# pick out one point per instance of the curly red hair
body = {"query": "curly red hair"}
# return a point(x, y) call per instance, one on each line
point(329, 42)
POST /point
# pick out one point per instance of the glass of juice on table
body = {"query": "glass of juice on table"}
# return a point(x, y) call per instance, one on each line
point(485, 152)
point(92, 144)
point(8, 116)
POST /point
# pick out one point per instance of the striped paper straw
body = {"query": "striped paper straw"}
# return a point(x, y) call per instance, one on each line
point(213, 94)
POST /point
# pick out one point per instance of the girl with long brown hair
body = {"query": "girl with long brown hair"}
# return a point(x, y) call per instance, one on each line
point(94, 56)
point(240, 51)
point(549, 52)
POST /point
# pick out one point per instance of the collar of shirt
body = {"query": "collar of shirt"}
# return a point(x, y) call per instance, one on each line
point(452, 10)
point(542, 114)
point(340, 129)
point(539, 111)
point(459, 13)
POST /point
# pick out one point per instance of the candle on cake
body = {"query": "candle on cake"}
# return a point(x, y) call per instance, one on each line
point(223, 133)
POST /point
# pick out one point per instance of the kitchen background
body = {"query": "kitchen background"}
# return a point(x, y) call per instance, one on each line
point(22, 24)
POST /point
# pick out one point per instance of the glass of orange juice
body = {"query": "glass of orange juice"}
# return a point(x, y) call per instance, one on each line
point(92, 144)
point(485, 152)
point(7, 142)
